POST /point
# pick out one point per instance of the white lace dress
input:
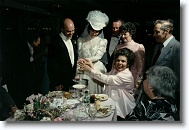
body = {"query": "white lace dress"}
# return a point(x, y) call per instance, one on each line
point(93, 49)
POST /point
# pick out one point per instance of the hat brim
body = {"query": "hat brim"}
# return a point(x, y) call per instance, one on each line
point(96, 25)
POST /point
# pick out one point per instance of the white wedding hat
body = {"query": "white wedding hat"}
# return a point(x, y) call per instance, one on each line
point(97, 19)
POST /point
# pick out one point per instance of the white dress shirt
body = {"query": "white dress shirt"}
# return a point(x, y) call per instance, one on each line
point(168, 40)
point(69, 46)
point(31, 52)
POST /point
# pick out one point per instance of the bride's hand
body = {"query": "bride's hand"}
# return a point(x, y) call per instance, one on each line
point(88, 62)
point(84, 66)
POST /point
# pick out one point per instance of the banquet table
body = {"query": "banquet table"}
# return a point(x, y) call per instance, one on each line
point(111, 117)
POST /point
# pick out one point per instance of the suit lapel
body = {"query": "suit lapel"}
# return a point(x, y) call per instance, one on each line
point(62, 44)
point(108, 45)
point(155, 53)
point(165, 51)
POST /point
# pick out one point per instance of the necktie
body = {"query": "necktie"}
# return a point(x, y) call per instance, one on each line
point(157, 54)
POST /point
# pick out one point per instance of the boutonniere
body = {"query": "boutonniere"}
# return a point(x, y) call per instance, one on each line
point(74, 41)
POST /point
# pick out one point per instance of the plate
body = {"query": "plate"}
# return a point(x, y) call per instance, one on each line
point(103, 97)
point(55, 93)
point(107, 112)
point(72, 101)
point(79, 86)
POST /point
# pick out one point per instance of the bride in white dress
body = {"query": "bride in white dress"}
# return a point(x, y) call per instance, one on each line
point(92, 45)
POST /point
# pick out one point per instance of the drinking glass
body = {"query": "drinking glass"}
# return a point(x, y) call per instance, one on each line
point(86, 98)
point(92, 111)
point(73, 92)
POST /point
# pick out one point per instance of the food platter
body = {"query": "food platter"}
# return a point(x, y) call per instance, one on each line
point(79, 86)
point(55, 93)
point(102, 97)
point(104, 111)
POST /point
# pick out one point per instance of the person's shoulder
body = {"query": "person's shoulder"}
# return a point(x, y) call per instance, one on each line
point(81, 39)
point(103, 39)
point(126, 72)
point(140, 46)
point(175, 43)
point(55, 38)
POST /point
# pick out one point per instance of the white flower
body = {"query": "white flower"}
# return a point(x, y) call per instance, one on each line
point(19, 115)
point(30, 98)
point(46, 119)
point(28, 108)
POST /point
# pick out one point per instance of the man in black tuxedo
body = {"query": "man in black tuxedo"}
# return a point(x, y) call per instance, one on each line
point(113, 40)
point(62, 58)
point(7, 105)
point(25, 80)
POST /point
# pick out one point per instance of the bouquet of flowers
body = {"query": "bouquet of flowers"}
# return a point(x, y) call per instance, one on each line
point(41, 108)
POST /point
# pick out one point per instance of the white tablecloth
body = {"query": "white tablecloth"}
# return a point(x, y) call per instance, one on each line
point(112, 117)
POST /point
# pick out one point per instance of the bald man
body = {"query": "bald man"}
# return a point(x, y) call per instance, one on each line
point(62, 58)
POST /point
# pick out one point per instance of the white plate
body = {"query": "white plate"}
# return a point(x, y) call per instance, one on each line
point(79, 86)
point(72, 101)
point(101, 115)
point(103, 97)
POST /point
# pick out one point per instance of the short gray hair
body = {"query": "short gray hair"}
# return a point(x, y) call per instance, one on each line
point(163, 81)
point(165, 24)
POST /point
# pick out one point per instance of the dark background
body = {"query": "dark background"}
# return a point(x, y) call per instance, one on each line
point(20, 16)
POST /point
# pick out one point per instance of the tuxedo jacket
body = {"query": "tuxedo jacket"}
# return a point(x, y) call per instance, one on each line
point(59, 65)
point(5, 102)
point(170, 56)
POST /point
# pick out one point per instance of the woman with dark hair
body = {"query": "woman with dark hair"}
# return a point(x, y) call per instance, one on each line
point(119, 82)
point(160, 86)
point(92, 45)
point(128, 31)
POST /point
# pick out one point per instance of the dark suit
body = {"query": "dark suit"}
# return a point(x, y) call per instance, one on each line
point(170, 57)
point(5, 102)
point(25, 82)
point(59, 65)
point(110, 58)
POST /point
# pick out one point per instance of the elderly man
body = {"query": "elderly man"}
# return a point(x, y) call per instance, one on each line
point(168, 49)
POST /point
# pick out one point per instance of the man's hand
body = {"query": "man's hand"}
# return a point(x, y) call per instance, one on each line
point(13, 110)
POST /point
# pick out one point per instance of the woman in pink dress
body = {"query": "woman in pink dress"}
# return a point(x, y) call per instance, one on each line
point(128, 31)
point(119, 82)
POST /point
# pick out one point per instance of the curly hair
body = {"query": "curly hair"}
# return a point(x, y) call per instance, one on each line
point(128, 27)
point(127, 53)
